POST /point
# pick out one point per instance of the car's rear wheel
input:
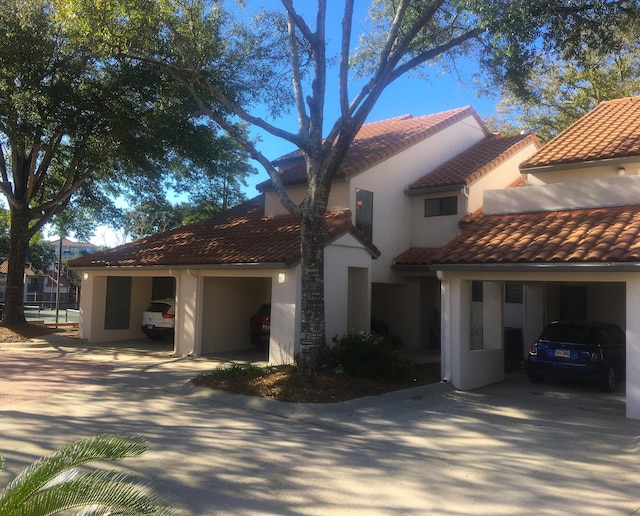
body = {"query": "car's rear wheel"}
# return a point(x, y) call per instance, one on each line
point(609, 379)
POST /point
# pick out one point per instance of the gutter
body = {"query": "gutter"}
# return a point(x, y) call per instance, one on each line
point(529, 267)
point(171, 267)
point(579, 164)
point(435, 189)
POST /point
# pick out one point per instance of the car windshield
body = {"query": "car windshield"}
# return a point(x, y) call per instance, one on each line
point(157, 307)
point(569, 334)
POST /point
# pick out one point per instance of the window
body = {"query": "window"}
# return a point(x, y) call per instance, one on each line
point(441, 206)
point(513, 293)
point(477, 291)
point(364, 212)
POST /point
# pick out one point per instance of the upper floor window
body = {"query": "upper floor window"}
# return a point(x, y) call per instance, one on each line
point(441, 206)
point(364, 212)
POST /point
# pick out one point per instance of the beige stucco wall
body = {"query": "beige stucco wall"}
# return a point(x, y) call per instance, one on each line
point(93, 303)
point(584, 172)
point(613, 191)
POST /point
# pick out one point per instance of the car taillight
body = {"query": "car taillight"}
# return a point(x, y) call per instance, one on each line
point(167, 315)
point(534, 349)
point(596, 356)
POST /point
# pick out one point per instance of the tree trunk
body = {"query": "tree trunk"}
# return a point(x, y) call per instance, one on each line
point(312, 325)
point(14, 304)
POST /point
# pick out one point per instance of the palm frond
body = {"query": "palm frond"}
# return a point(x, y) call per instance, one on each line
point(52, 483)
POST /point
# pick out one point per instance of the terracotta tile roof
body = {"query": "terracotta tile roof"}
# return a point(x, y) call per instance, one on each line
point(575, 236)
point(475, 162)
point(241, 235)
point(375, 142)
point(417, 256)
point(611, 130)
point(4, 269)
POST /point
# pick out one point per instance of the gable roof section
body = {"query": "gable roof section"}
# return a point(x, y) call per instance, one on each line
point(597, 235)
point(239, 236)
point(375, 142)
point(610, 131)
point(472, 164)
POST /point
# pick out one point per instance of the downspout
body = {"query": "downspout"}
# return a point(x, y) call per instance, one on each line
point(465, 193)
point(445, 317)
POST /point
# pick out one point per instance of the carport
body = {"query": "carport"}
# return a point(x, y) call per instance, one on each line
point(612, 294)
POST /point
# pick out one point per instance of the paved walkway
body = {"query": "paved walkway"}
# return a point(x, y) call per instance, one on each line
point(512, 448)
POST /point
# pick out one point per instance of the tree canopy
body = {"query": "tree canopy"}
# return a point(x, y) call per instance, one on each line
point(561, 92)
point(79, 126)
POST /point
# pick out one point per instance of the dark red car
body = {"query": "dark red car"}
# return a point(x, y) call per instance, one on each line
point(260, 327)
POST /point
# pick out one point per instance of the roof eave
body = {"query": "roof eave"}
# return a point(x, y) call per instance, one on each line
point(220, 266)
point(550, 267)
point(435, 189)
point(579, 164)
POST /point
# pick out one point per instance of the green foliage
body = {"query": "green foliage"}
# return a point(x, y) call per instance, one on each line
point(233, 371)
point(54, 484)
point(371, 355)
point(562, 92)
point(40, 254)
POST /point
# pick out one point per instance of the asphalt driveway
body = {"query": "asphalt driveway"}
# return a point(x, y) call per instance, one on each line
point(512, 448)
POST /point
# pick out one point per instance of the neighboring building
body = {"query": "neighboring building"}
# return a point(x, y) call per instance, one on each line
point(33, 281)
point(41, 287)
point(72, 249)
point(405, 183)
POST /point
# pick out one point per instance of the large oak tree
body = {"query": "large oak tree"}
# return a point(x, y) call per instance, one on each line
point(284, 57)
point(78, 126)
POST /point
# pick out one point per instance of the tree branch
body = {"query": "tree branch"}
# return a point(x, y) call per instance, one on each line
point(246, 144)
point(347, 27)
point(296, 73)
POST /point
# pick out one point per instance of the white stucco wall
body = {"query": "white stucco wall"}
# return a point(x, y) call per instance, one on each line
point(347, 296)
point(505, 174)
point(438, 231)
point(389, 179)
point(583, 172)
point(338, 199)
point(614, 191)
point(434, 231)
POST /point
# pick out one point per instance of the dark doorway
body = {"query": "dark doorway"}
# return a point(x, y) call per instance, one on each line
point(573, 302)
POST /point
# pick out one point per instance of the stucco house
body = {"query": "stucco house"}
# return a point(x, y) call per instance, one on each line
point(570, 235)
point(405, 184)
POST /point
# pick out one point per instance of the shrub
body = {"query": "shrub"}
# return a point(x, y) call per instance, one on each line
point(371, 355)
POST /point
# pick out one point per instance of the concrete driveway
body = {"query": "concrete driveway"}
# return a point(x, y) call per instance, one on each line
point(512, 448)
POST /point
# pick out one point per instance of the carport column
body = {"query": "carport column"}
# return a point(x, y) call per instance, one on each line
point(285, 317)
point(450, 327)
point(87, 306)
point(633, 348)
point(188, 291)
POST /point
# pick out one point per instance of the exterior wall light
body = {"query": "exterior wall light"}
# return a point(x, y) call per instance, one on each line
point(282, 277)
point(621, 171)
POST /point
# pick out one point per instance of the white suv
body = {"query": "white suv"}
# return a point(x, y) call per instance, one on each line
point(159, 319)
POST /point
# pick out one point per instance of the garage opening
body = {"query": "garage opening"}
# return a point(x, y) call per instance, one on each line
point(228, 305)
